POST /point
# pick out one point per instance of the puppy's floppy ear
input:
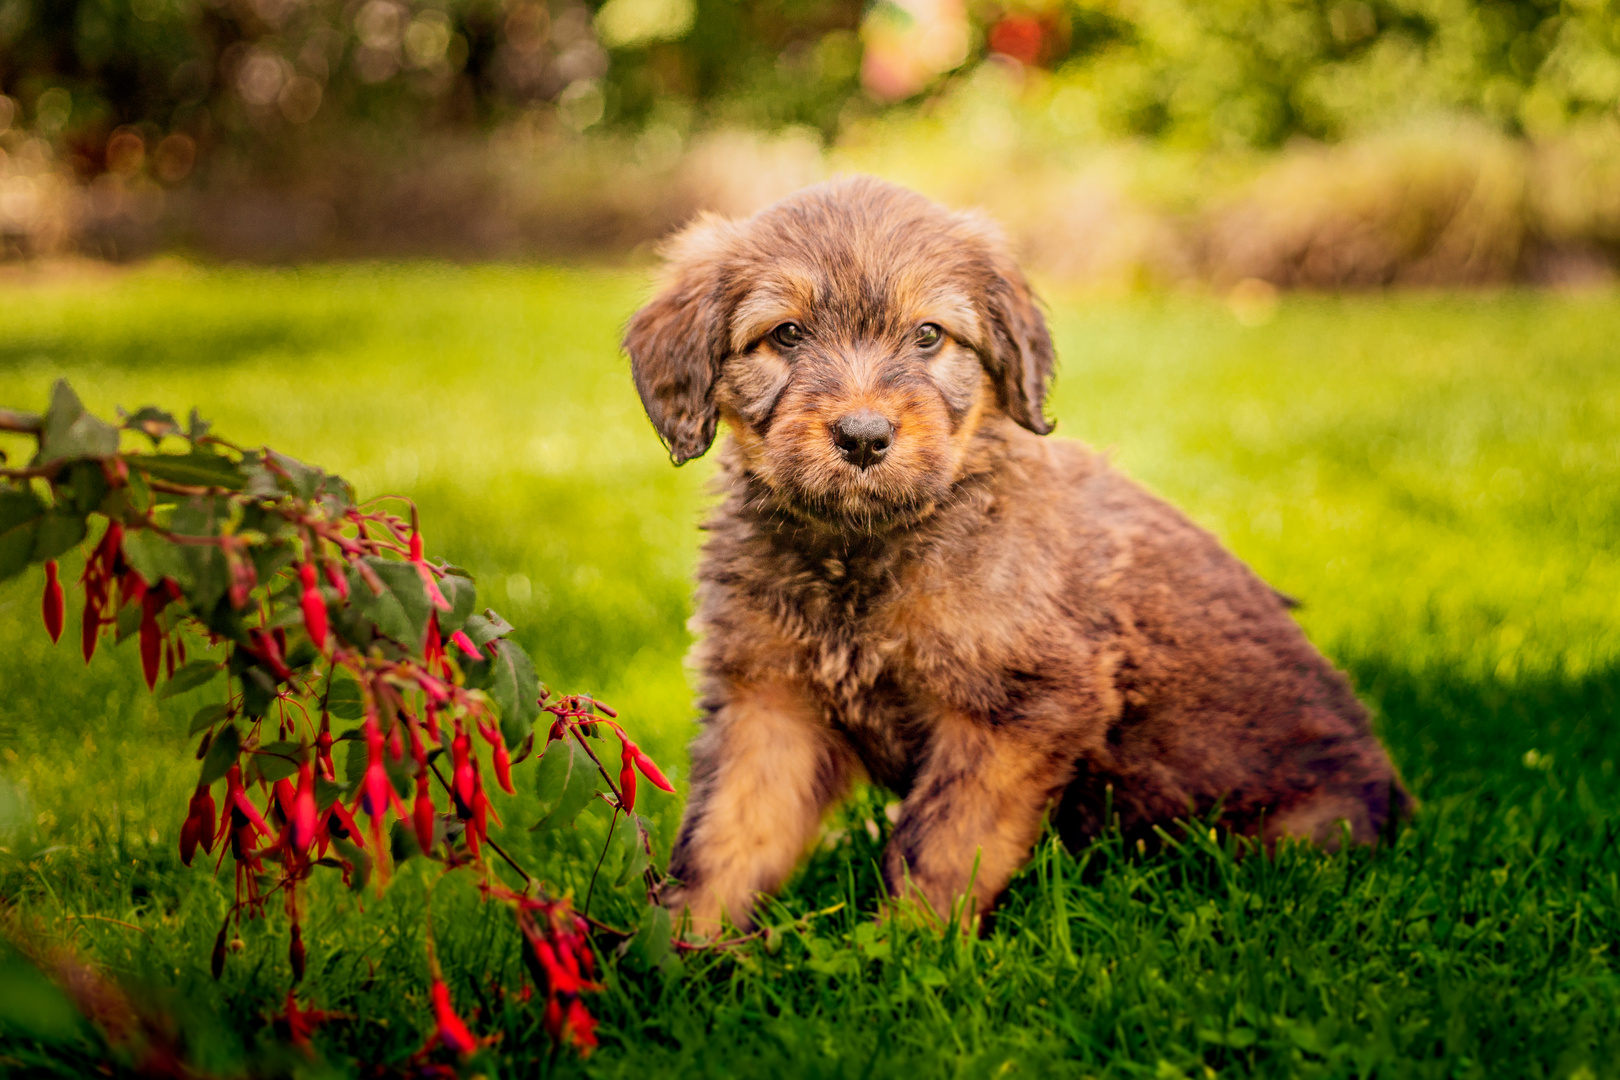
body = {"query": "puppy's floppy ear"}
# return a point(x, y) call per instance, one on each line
point(1020, 349)
point(678, 340)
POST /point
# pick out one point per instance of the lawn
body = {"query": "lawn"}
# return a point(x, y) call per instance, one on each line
point(1436, 478)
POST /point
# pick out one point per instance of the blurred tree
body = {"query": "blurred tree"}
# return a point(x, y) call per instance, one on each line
point(158, 85)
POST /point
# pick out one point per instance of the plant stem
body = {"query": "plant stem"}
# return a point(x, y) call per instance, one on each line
point(613, 823)
point(527, 877)
point(25, 423)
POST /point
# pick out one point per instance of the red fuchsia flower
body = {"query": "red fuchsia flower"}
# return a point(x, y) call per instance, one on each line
point(429, 582)
point(336, 578)
point(304, 822)
point(285, 796)
point(314, 606)
point(422, 813)
point(463, 780)
point(198, 829)
point(451, 1031)
point(430, 716)
point(151, 636)
point(91, 627)
point(465, 644)
point(53, 605)
point(376, 790)
point(566, 1017)
point(242, 574)
point(483, 809)
point(237, 803)
point(433, 643)
point(499, 756)
point(301, 1023)
point(648, 769)
point(503, 767)
point(343, 827)
point(100, 571)
point(579, 1028)
point(627, 782)
point(323, 755)
point(266, 648)
point(435, 690)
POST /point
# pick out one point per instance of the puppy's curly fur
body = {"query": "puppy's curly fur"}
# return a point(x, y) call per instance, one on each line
point(992, 624)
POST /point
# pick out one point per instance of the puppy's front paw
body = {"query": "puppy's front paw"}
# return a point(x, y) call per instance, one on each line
point(696, 915)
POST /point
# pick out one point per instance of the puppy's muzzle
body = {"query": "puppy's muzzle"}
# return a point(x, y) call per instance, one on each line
point(862, 437)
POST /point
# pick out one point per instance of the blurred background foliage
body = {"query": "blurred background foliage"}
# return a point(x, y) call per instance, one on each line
point(1483, 137)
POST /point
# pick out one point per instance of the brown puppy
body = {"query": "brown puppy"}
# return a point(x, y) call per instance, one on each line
point(906, 581)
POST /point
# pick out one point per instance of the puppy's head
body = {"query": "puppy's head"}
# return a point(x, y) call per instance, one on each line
point(854, 337)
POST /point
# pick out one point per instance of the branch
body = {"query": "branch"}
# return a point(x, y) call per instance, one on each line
point(21, 422)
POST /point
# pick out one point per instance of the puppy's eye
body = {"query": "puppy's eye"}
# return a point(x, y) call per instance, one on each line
point(788, 335)
point(929, 335)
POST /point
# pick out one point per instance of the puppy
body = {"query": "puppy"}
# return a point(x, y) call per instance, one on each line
point(906, 582)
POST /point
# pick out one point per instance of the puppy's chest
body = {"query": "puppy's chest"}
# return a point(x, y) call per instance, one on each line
point(874, 653)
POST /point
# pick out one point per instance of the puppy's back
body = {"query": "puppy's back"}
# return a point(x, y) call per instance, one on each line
point(1223, 699)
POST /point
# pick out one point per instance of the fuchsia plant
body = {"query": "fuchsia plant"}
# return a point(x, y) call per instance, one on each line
point(254, 567)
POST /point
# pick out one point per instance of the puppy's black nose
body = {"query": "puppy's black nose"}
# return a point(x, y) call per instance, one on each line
point(863, 437)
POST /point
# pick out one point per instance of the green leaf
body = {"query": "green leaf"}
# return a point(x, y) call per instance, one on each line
point(32, 1007)
point(354, 762)
point(20, 514)
point(356, 855)
point(402, 843)
point(345, 700)
point(152, 422)
point(58, 532)
point(207, 717)
point(258, 691)
point(204, 574)
point(632, 860)
point(462, 594)
point(566, 782)
point(275, 761)
point(129, 621)
point(88, 484)
point(190, 677)
point(196, 469)
point(653, 935)
point(486, 627)
point(154, 558)
point(328, 792)
point(222, 754)
point(401, 612)
point(71, 433)
point(197, 427)
point(510, 681)
point(299, 479)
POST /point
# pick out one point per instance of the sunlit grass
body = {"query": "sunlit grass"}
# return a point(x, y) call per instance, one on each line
point(1436, 477)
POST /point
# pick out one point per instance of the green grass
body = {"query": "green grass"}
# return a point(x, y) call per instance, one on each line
point(1436, 477)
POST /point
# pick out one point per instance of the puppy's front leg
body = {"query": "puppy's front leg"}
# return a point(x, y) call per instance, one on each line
point(763, 772)
point(979, 798)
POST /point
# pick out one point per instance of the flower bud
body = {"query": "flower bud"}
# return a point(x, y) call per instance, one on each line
point(151, 637)
point(503, 767)
point(422, 814)
point(451, 1031)
point(336, 578)
point(304, 821)
point(649, 770)
point(53, 605)
point(314, 606)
